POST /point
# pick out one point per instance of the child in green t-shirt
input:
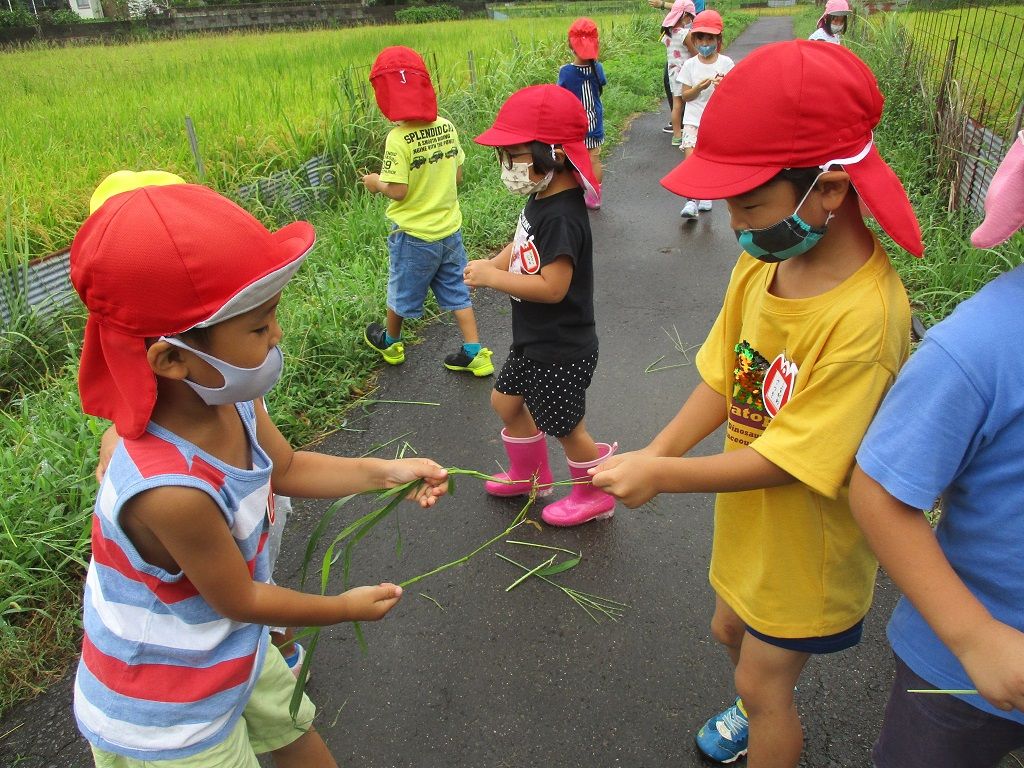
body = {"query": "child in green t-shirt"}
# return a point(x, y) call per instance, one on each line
point(421, 169)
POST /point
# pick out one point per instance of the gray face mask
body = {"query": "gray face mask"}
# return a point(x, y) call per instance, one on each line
point(240, 384)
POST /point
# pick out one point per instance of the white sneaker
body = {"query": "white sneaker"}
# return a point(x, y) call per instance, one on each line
point(704, 205)
point(689, 210)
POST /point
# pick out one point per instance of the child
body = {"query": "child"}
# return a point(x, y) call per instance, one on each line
point(282, 637)
point(585, 79)
point(548, 271)
point(181, 344)
point(953, 425)
point(677, 35)
point(697, 79)
point(421, 169)
point(814, 326)
point(832, 23)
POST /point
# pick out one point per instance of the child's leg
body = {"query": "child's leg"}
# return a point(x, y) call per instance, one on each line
point(466, 321)
point(307, 751)
point(512, 411)
point(578, 445)
point(394, 324)
point(677, 119)
point(728, 629)
point(595, 162)
point(765, 678)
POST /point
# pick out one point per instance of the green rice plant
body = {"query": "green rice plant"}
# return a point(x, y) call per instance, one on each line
point(592, 605)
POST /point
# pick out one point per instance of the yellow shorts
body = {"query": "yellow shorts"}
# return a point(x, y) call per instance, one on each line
point(264, 726)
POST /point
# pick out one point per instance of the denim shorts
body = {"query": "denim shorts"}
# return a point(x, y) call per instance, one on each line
point(938, 730)
point(826, 644)
point(416, 265)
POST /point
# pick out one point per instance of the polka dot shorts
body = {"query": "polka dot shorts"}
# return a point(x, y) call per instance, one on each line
point(555, 393)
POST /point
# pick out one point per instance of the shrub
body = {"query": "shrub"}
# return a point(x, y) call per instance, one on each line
point(17, 18)
point(59, 16)
point(420, 14)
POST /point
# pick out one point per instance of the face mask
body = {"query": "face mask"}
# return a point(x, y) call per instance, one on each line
point(517, 179)
point(240, 384)
point(837, 29)
point(784, 240)
point(707, 50)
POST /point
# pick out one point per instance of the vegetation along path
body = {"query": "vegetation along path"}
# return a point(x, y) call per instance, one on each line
point(477, 676)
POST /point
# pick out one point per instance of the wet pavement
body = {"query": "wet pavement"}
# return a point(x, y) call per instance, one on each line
point(494, 679)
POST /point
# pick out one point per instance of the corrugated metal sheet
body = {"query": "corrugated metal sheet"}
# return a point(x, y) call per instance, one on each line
point(41, 286)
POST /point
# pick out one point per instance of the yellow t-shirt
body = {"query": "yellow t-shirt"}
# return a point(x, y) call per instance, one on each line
point(426, 156)
point(802, 379)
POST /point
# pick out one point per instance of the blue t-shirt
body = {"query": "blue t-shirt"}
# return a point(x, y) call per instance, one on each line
point(953, 425)
point(698, 5)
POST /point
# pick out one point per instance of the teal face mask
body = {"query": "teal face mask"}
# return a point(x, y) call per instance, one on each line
point(785, 239)
point(707, 50)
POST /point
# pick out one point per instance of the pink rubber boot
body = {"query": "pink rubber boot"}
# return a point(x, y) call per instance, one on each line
point(584, 502)
point(527, 456)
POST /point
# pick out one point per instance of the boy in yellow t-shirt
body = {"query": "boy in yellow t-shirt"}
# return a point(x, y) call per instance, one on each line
point(814, 326)
point(421, 169)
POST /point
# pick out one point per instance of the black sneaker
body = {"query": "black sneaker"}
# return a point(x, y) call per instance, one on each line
point(667, 128)
point(376, 336)
point(480, 365)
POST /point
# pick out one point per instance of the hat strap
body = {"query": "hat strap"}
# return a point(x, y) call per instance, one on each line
point(851, 160)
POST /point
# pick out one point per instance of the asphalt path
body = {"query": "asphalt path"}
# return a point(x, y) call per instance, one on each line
point(494, 679)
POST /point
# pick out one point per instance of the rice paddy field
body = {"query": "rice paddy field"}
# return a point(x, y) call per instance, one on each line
point(259, 102)
point(988, 70)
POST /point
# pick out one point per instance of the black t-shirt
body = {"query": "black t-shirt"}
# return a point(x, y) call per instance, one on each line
point(548, 228)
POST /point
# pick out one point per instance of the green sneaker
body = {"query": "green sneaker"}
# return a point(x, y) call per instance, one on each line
point(480, 365)
point(376, 336)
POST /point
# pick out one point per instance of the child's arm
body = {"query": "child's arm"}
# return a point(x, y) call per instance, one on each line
point(390, 189)
point(637, 477)
point(692, 92)
point(548, 286)
point(991, 652)
point(179, 528)
point(319, 476)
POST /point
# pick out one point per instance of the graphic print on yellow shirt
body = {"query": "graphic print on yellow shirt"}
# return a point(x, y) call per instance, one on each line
point(426, 157)
point(747, 417)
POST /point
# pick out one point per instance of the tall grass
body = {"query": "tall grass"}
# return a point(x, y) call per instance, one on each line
point(952, 269)
point(49, 447)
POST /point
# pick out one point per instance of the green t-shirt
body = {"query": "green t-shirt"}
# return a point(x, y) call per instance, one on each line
point(426, 156)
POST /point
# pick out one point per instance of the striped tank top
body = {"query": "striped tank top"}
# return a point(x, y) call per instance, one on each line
point(162, 674)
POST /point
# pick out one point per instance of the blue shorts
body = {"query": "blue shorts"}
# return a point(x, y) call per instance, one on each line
point(826, 644)
point(416, 265)
point(936, 730)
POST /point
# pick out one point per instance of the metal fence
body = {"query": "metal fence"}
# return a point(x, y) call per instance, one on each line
point(970, 56)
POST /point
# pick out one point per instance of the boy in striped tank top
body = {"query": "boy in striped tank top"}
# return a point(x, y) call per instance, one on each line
point(181, 344)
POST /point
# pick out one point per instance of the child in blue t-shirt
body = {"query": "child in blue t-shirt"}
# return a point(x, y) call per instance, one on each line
point(584, 77)
point(953, 426)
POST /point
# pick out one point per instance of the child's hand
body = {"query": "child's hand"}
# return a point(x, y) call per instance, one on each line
point(433, 475)
point(478, 273)
point(107, 445)
point(372, 182)
point(627, 477)
point(994, 660)
point(703, 85)
point(370, 603)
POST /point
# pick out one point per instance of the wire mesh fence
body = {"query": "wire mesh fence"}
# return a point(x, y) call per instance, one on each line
point(969, 55)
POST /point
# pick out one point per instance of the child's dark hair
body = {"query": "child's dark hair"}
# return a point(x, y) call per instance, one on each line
point(543, 158)
point(802, 179)
point(828, 25)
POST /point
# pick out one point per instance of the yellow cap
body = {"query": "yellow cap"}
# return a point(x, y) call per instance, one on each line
point(125, 181)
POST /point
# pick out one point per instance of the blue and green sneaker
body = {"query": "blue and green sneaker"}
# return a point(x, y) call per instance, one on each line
point(723, 738)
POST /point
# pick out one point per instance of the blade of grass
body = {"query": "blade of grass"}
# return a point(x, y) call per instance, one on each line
point(530, 573)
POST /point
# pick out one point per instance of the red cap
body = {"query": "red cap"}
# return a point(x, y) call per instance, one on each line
point(549, 114)
point(796, 104)
point(583, 38)
point(157, 261)
point(709, 22)
point(402, 85)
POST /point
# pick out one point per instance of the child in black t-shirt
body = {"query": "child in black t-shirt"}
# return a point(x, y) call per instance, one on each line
point(549, 273)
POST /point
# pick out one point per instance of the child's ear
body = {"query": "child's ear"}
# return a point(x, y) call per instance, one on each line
point(834, 186)
point(166, 360)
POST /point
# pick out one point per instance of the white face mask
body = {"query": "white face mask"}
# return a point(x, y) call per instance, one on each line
point(837, 29)
point(240, 384)
point(517, 179)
